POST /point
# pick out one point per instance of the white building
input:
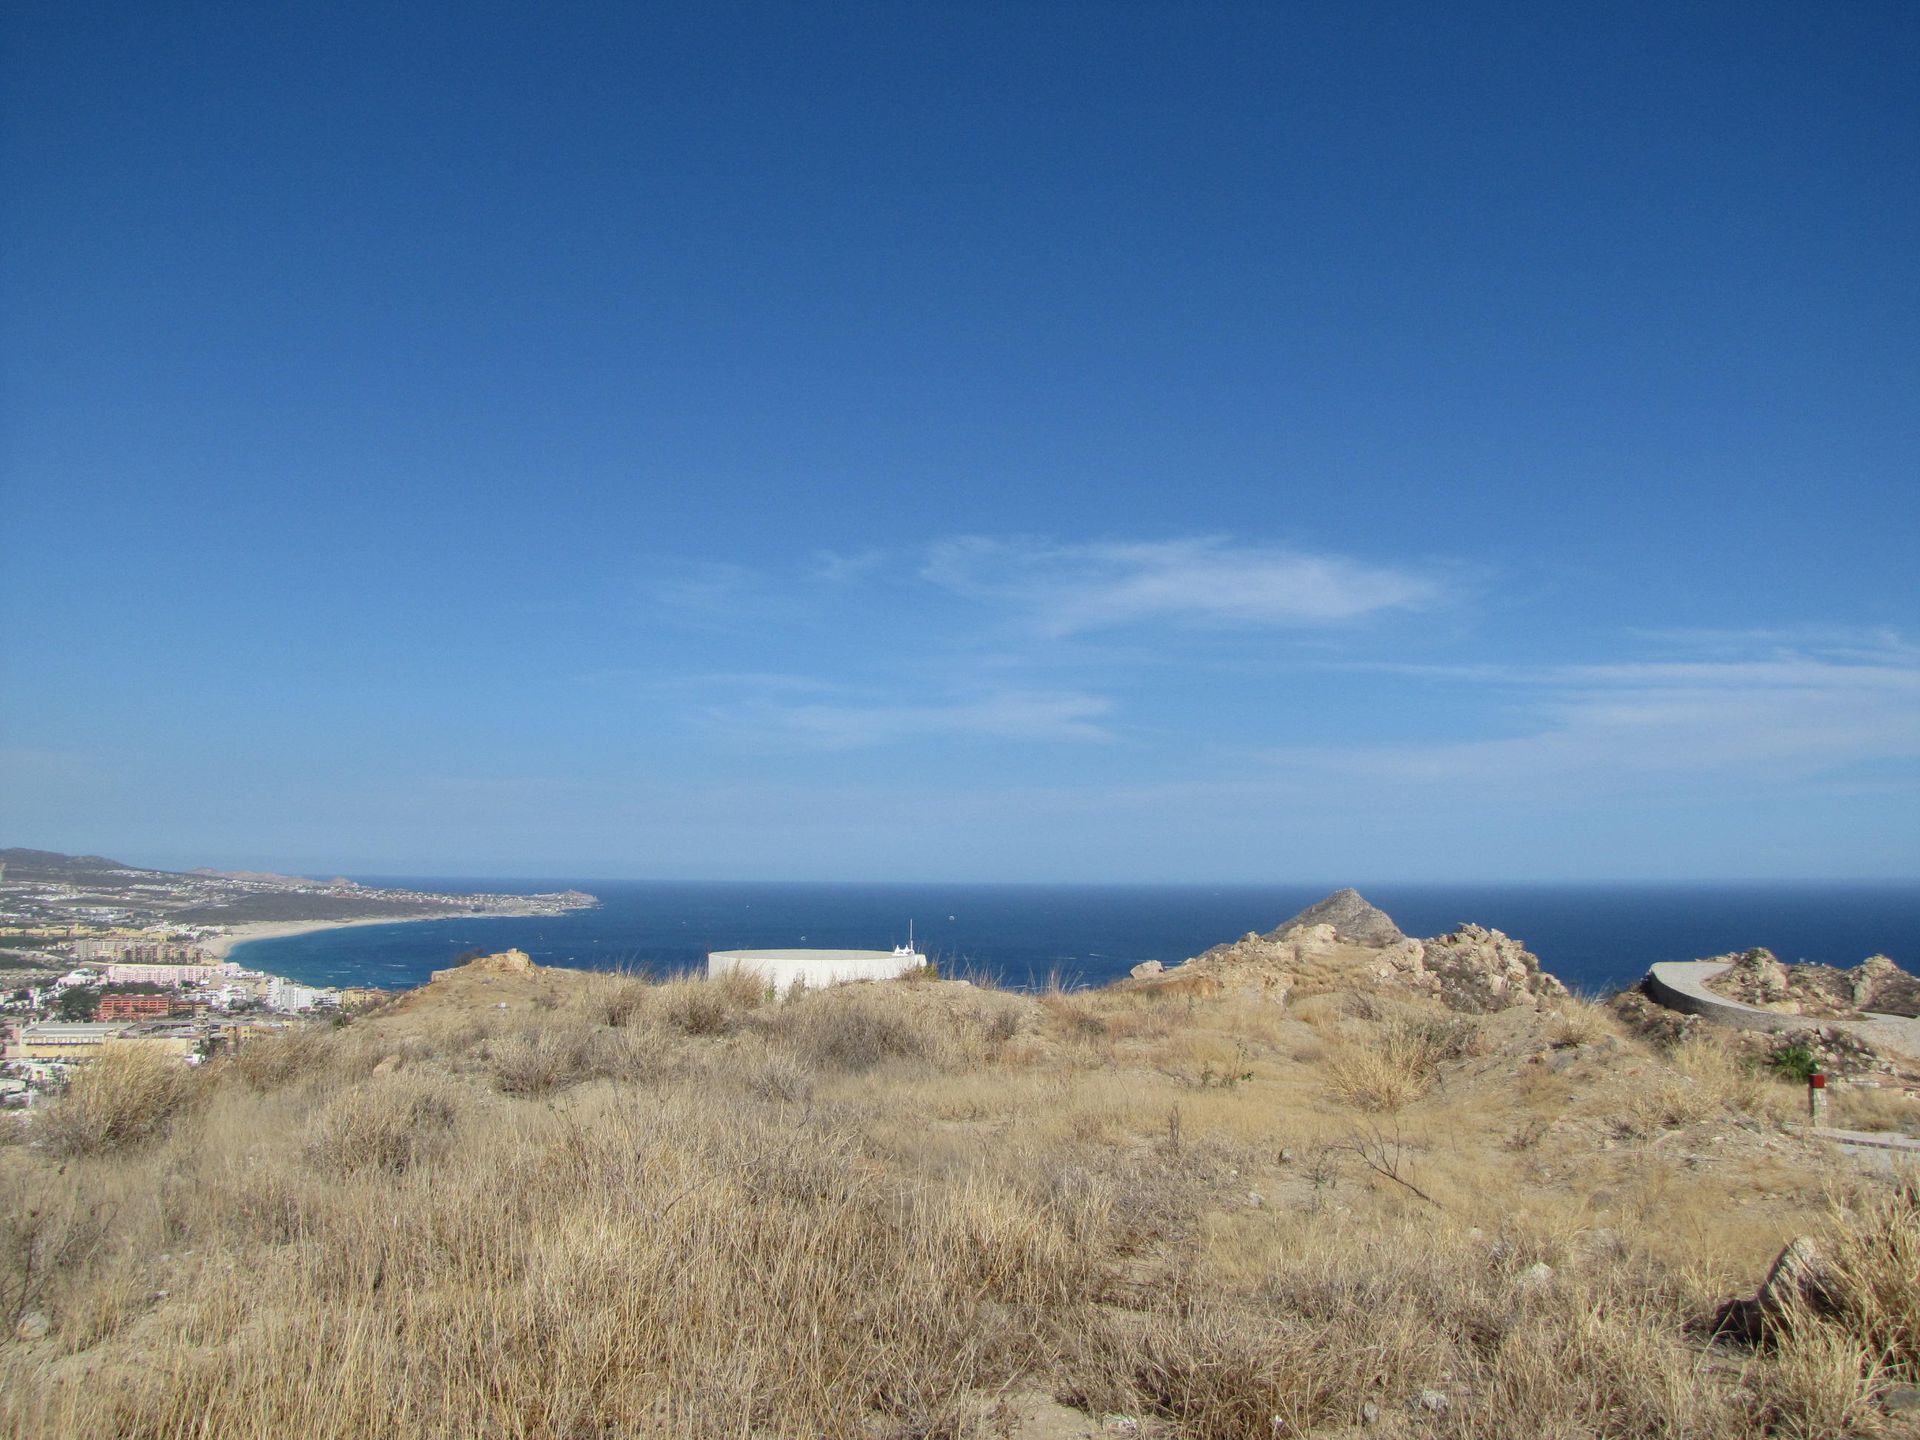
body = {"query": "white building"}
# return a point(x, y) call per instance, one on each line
point(141, 973)
point(780, 969)
point(284, 994)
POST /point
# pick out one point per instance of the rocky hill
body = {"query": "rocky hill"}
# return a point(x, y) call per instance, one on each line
point(1875, 986)
point(1345, 943)
point(24, 864)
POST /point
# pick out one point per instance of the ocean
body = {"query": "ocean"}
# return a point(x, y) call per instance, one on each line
point(1596, 938)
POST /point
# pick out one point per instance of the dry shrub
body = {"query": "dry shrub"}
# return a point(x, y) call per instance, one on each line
point(1399, 1061)
point(1701, 1080)
point(851, 1028)
point(619, 1000)
point(1317, 1012)
point(267, 1062)
point(696, 1006)
point(780, 1078)
point(1072, 1015)
point(1859, 1107)
point(128, 1094)
point(388, 1123)
point(1874, 1278)
point(1820, 1384)
point(1578, 1022)
point(537, 1062)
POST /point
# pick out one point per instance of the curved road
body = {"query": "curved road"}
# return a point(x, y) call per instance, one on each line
point(1686, 980)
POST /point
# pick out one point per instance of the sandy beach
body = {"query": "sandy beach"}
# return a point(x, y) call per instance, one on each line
point(220, 947)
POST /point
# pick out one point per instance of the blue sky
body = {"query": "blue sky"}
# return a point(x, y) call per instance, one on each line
point(1056, 442)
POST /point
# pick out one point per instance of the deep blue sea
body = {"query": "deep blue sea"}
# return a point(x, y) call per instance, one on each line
point(1595, 938)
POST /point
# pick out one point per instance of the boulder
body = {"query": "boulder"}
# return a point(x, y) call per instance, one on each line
point(1799, 1280)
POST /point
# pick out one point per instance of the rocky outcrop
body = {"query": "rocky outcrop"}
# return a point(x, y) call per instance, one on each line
point(1480, 970)
point(1345, 943)
point(1352, 919)
point(1822, 992)
point(506, 962)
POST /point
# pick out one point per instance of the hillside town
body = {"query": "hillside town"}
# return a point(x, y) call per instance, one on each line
point(96, 953)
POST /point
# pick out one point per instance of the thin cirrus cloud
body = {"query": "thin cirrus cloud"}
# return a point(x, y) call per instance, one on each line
point(1768, 719)
point(1026, 715)
point(1068, 589)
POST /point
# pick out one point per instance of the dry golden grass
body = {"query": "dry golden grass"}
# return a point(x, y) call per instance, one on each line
point(613, 1208)
point(130, 1095)
point(1390, 1064)
point(1855, 1107)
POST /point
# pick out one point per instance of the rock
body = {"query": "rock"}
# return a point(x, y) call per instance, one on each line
point(387, 1065)
point(1481, 970)
point(34, 1325)
point(1343, 943)
point(1536, 1279)
point(1799, 1278)
point(1255, 1199)
point(1605, 1241)
point(1901, 1400)
point(506, 962)
point(1349, 917)
point(1369, 1413)
point(1433, 1401)
point(1800, 1274)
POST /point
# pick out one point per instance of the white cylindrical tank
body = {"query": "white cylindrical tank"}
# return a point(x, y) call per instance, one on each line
point(778, 969)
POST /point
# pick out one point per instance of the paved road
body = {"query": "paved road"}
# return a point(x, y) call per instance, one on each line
point(1688, 978)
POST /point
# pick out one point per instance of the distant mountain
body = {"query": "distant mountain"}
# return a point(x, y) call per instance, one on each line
point(52, 865)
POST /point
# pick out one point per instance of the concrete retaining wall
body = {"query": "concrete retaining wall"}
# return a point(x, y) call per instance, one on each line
point(1676, 985)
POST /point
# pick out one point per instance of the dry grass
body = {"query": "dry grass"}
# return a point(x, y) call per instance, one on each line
point(619, 1208)
point(1856, 1107)
point(1388, 1065)
point(130, 1095)
point(1580, 1022)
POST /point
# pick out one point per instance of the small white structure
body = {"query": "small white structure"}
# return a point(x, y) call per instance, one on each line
point(779, 969)
point(285, 994)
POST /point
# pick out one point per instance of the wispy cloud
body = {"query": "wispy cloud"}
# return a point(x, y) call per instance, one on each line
point(837, 568)
point(1068, 589)
point(1768, 719)
point(1018, 715)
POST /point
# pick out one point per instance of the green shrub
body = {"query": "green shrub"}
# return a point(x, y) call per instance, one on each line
point(1794, 1062)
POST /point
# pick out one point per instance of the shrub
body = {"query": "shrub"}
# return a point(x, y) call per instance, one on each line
point(622, 1000)
point(696, 1006)
point(1794, 1062)
point(1874, 1278)
point(387, 1123)
point(266, 1062)
point(539, 1061)
point(1577, 1022)
point(129, 1094)
point(1400, 1062)
point(851, 1030)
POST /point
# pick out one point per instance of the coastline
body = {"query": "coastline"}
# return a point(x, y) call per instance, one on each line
point(221, 947)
